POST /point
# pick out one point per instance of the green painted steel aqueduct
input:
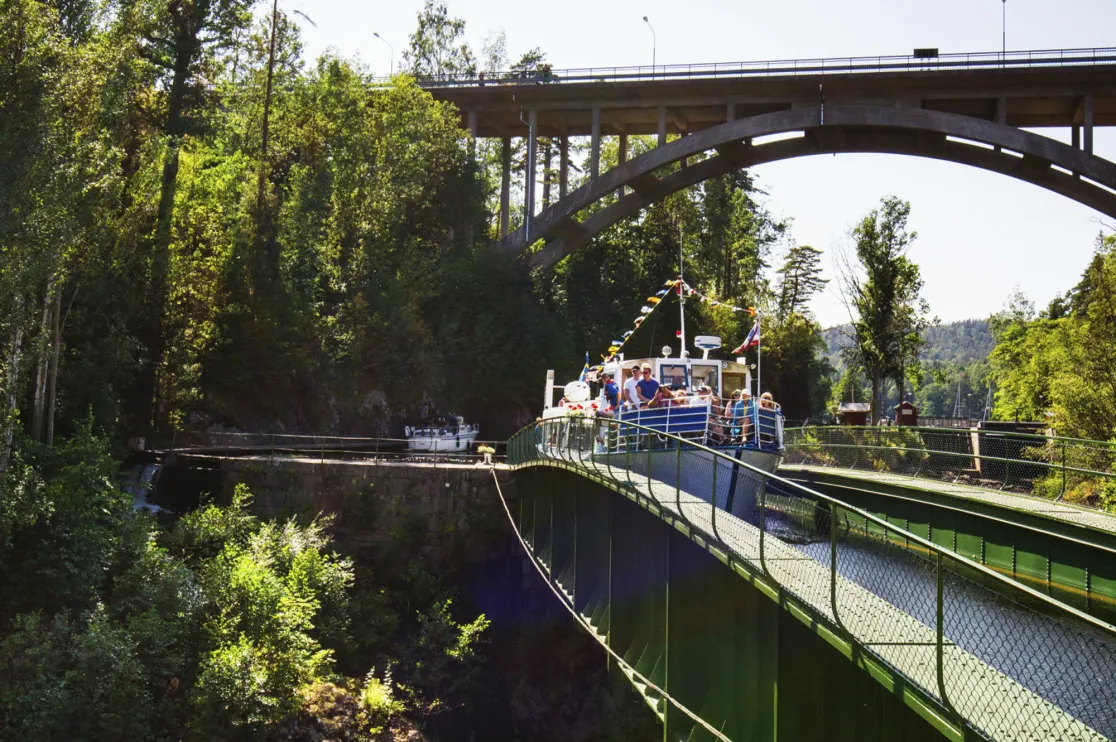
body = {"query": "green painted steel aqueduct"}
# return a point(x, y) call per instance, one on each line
point(803, 618)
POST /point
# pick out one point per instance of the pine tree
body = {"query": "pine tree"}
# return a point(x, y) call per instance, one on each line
point(799, 279)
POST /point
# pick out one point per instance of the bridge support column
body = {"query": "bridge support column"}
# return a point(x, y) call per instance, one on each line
point(595, 145)
point(1075, 136)
point(622, 156)
point(730, 112)
point(529, 177)
point(505, 186)
point(472, 122)
point(662, 125)
point(547, 173)
point(563, 165)
point(1087, 124)
point(1001, 116)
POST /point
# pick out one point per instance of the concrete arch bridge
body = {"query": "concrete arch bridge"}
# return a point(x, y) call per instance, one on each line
point(972, 109)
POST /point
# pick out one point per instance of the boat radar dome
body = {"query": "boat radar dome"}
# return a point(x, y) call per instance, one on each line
point(577, 391)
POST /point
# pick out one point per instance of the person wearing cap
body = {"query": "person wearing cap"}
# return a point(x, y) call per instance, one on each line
point(702, 397)
point(646, 387)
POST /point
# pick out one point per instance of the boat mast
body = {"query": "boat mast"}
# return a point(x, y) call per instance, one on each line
point(681, 295)
point(759, 354)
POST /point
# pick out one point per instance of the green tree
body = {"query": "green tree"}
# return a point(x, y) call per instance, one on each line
point(435, 48)
point(883, 293)
point(800, 278)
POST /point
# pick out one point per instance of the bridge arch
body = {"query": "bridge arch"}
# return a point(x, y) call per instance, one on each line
point(831, 129)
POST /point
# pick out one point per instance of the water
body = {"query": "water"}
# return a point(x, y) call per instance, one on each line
point(141, 486)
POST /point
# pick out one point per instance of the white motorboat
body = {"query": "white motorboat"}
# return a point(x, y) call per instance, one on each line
point(449, 434)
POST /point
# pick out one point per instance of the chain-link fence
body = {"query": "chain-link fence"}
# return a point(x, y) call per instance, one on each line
point(1078, 471)
point(999, 657)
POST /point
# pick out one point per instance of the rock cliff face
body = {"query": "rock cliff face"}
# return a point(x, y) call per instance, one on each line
point(543, 678)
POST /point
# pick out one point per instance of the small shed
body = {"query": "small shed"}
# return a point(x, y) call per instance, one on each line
point(906, 414)
point(854, 413)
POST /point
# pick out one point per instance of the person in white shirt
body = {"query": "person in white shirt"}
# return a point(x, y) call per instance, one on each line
point(702, 398)
point(631, 396)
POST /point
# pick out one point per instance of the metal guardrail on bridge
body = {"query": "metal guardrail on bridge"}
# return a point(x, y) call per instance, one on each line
point(998, 657)
point(786, 67)
point(1071, 469)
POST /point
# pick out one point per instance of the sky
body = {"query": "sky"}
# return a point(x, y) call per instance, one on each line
point(980, 235)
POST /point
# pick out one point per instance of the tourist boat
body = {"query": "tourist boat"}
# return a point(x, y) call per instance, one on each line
point(749, 435)
point(451, 433)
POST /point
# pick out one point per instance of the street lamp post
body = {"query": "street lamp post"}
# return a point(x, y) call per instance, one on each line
point(391, 64)
point(1003, 29)
point(654, 45)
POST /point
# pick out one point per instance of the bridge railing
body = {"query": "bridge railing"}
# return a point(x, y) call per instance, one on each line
point(999, 657)
point(1070, 469)
point(782, 67)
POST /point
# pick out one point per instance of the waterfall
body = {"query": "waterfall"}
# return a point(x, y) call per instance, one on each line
point(141, 486)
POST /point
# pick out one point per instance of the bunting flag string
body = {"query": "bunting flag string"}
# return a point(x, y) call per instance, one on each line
point(653, 303)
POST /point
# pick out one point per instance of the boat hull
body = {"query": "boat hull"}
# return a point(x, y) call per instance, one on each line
point(727, 482)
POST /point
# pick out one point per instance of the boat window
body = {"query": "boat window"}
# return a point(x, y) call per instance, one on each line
point(706, 375)
point(672, 374)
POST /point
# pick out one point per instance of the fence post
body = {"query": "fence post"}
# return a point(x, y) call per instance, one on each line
point(627, 452)
point(763, 520)
point(940, 621)
point(1063, 470)
point(678, 476)
point(713, 497)
point(833, 561)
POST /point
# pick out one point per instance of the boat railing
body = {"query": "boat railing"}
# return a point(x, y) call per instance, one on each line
point(709, 424)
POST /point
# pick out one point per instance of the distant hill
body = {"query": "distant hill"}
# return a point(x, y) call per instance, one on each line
point(960, 343)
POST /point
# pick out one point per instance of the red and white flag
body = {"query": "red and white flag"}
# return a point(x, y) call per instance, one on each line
point(752, 341)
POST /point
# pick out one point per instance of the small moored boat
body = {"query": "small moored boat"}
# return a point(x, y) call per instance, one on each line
point(450, 433)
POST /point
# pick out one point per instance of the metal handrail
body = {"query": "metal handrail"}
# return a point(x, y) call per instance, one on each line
point(555, 439)
point(792, 67)
point(959, 431)
point(1075, 458)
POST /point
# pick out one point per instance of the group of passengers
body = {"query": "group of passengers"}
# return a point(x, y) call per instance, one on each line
point(732, 417)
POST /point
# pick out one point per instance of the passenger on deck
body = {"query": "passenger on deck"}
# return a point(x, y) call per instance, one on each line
point(741, 413)
point(767, 424)
point(680, 399)
point(646, 387)
point(631, 396)
point(611, 391)
point(702, 398)
point(664, 397)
